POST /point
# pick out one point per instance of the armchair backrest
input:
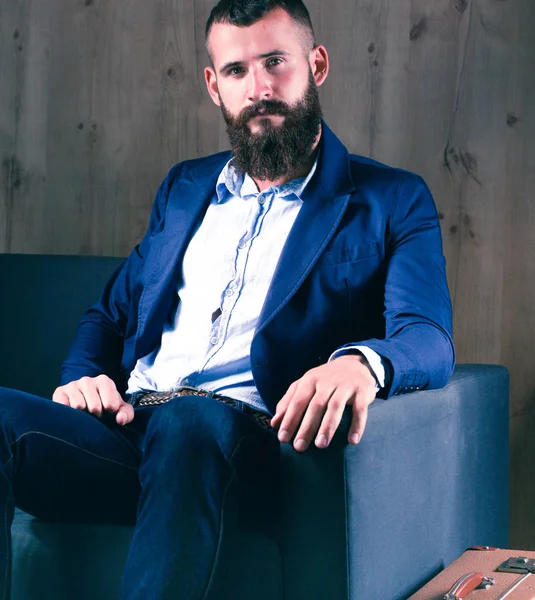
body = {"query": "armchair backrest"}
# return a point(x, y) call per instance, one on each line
point(42, 300)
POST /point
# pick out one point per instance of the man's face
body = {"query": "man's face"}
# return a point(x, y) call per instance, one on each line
point(272, 151)
point(265, 80)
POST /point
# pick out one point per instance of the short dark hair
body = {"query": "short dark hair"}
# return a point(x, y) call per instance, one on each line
point(243, 13)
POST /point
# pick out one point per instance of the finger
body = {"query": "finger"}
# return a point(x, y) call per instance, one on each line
point(109, 396)
point(112, 401)
point(125, 414)
point(295, 411)
point(333, 416)
point(88, 387)
point(360, 417)
point(283, 405)
point(61, 397)
point(312, 420)
point(76, 398)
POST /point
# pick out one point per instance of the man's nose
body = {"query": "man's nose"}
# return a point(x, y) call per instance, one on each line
point(260, 87)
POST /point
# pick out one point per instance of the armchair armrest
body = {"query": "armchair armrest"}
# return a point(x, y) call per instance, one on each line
point(429, 479)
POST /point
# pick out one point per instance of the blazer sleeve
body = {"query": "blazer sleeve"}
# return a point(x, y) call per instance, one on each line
point(100, 336)
point(418, 345)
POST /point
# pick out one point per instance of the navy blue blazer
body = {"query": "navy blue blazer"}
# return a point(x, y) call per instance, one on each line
point(363, 264)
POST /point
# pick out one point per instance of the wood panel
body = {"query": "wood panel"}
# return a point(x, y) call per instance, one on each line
point(98, 99)
point(518, 346)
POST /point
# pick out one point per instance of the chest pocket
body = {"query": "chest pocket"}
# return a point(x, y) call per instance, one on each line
point(348, 254)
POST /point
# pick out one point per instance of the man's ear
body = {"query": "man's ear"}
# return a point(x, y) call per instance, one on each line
point(211, 84)
point(319, 63)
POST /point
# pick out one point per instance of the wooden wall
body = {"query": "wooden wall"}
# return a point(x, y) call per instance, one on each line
point(98, 99)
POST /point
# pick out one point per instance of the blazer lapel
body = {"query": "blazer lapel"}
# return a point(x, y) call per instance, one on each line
point(324, 202)
point(189, 198)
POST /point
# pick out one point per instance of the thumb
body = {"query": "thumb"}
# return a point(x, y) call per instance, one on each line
point(125, 414)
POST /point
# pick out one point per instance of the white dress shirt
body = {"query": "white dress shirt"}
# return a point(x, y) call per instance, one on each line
point(227, 270)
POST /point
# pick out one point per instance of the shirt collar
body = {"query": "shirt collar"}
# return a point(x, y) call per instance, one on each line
point(232, 182)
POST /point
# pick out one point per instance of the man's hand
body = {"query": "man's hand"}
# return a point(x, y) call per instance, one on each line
point(95, 395)
point(319, 398)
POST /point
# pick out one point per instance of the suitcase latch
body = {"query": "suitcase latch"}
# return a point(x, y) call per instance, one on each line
point(518, 564)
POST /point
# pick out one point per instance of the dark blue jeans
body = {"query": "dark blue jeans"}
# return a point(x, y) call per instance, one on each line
point(183, 472)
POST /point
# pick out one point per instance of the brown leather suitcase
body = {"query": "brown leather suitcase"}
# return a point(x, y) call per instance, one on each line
point(485, 561)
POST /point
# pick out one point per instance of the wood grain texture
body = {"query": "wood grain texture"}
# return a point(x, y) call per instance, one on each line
point(13, 33)
point(519, 271)
point(98, 99)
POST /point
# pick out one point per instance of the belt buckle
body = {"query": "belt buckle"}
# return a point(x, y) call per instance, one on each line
point(199, 391)
point(186, 388)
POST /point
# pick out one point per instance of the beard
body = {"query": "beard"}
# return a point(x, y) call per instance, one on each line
point(277, 151)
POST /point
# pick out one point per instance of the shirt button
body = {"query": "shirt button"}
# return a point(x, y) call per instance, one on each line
point(214, 341)
point(262, 200)
point(242, 245)
point(229, 292)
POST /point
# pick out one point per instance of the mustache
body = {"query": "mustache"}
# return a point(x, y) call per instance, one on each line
point(264, 108)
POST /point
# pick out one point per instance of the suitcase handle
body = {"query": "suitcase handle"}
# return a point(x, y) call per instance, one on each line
point(468, 583)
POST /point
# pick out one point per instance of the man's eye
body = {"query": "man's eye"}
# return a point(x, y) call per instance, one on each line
point(236, 71)
point(273, 62)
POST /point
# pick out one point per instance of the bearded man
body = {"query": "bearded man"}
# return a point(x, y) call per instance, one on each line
point(276, 285)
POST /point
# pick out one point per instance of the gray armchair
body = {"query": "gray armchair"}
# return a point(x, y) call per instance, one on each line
point(372, 522)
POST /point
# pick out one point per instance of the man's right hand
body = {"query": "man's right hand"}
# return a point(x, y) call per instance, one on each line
point(95, 395)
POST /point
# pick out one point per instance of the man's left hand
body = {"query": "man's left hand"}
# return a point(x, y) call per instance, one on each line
point(317, 402)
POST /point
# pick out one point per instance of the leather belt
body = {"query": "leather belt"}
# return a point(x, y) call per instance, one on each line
point(156, 398)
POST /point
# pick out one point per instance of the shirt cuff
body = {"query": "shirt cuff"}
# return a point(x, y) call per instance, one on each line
point(375, 361)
